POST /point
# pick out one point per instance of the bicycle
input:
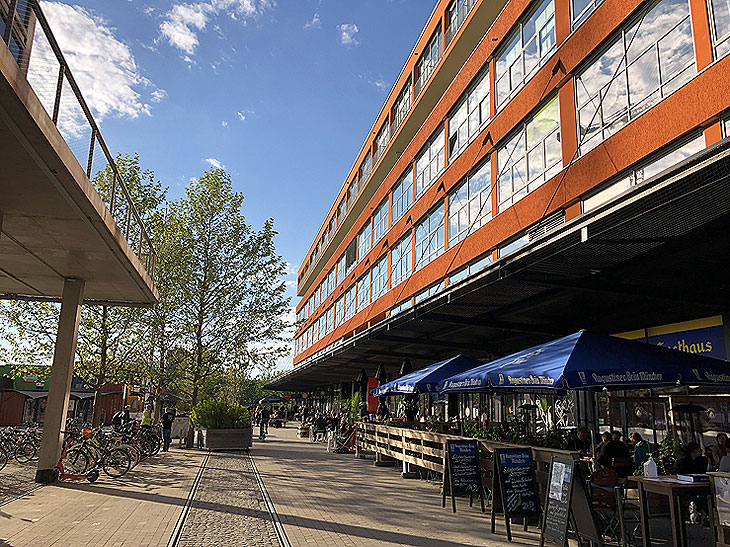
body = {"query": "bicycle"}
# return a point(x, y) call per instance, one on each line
point(73, 462)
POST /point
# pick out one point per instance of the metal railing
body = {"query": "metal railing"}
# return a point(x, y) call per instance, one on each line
point(28, 36)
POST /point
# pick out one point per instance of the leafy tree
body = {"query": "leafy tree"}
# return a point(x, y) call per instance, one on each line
point(230, 282)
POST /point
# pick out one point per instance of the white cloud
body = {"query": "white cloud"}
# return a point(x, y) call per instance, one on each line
point(315, 23)
point(102, 65)
point(224, 123)
point(184, 22)
point(214, 163)
point(241, 116)
point(348, 34)
point(158, 95)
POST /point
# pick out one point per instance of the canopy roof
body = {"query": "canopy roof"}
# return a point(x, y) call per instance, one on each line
point(586, 360)
point(426, 379)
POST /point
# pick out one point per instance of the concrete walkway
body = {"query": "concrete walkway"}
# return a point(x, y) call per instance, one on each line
point(338, 500)
point(141, 508)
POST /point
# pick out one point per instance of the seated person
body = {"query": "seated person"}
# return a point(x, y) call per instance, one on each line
point(605, 438)
point(613, 449)
point(641, 449)
point(383, 410)
point(719, 450)
point(692, 462)
point(580, 441)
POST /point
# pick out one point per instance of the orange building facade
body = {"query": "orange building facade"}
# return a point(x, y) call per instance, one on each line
point(509, 120)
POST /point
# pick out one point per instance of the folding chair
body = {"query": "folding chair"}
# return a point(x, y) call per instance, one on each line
point(602, 485)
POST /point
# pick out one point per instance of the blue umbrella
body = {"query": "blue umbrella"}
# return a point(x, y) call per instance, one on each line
point(426, 379)
point(585, 360)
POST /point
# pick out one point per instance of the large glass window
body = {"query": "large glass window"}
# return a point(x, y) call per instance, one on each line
point(430, 237)
point(428, 61)
point(350, 302)
point(380, 221)
point(470, 115)
point(528, 46)
point(581, 9)
point(330, 319)
point(339, 311)
point(472, 268)
point(363, 292)
point(530, 157)
point(381, 143)
point(380, 278)
point(720, 23)
point(430, 162)
point(401, 260)
point(364, 241)
point(341, 269)
point(331, 281)
point(430, 291)
point(401, 307)
point(350, 256)
point(364, 170)
point(400, 108)
point(351, 194)
point(470, 205)
point(636, 176)
point(403, 195)
point(652, 57)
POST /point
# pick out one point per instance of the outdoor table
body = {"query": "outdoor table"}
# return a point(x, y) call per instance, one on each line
point(675, 490)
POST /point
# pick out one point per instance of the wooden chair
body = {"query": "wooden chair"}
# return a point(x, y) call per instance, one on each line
point(602, 485)
point(623, 466)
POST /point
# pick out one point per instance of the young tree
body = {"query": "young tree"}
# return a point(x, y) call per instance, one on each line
point(230, 279)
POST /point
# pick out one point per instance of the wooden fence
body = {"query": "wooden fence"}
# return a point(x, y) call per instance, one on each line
point(425, 449)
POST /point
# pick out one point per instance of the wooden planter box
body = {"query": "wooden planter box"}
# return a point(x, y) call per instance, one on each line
point(226, 439)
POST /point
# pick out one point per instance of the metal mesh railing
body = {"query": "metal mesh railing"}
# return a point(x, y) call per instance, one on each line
point(27, 34)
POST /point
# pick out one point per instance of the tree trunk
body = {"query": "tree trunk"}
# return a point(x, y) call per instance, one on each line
point(96, 415)
point(101, 380)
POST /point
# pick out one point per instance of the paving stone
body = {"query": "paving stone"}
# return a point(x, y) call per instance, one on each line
point(16, 479)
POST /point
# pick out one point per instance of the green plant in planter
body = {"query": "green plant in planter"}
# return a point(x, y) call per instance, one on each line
point(217, 414)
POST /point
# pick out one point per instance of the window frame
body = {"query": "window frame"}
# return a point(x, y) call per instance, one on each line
point(434, 222)
point(431, 153)
point(397, 256)
point(399, 210)
point(472, 194)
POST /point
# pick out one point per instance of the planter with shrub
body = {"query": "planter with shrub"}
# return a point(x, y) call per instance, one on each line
point(222, 425)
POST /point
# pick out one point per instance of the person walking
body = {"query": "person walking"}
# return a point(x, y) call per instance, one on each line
point(147, 417)
point(167, 418)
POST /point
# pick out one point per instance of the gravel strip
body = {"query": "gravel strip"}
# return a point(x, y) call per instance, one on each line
point(229, 508)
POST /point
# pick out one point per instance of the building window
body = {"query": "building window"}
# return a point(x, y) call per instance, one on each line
point(401, 260)
point(381, 143)
point(530, 157)
point(350, 256)
point(581, 9)
point(363, 292)
point(472, 268)
point(315, 299)
point(350, 302)
point(341, 211)
point(470, 205)
point(330, 319)
point(403, 195)
point(364, 240)
point(430, 237)
point(331, 281)
point(430, 163)
point(471, 114)
point(426, 293)
point(727, 128)
point(455, 17)
point(401, 307)
point(341, 269)
point(400, 108)
point(380, 221)
point(720, 23)
point(339, 311)
point(660, 54)
point(637, 176)
point(351, 194)
point(365, 170)
point(528, 46)
point(427, 62)
point(379, 278)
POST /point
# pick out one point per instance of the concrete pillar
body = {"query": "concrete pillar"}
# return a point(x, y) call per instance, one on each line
point(59, 386)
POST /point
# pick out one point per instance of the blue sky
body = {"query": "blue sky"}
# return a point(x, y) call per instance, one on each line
point(281, 93)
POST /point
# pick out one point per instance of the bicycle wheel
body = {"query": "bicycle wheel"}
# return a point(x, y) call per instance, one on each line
point(24, 452)
point(75, 462)
point(117, 462)
point(3, 458)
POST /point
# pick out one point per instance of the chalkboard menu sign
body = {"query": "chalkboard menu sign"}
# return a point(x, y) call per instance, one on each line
point(567, 501)
point(462, 474)
point(514, 487)
point(557, 502)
